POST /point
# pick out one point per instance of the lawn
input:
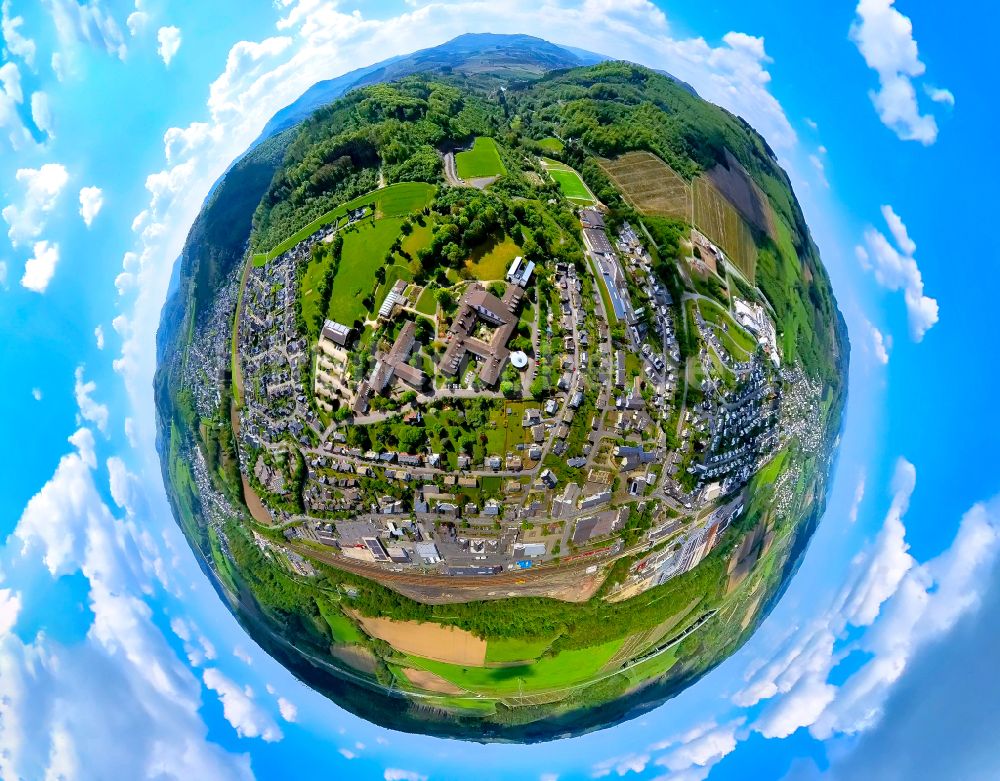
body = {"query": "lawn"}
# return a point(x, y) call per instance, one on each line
point(569, 181)
point(491, 261)
point(551, 672)
point(481, 161)
point(427, 303)
point(507, 650)
point(398, 200)
point(551, 144)
point(364, 250)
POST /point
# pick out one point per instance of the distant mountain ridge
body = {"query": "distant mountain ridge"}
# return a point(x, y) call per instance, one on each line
point(468, 53)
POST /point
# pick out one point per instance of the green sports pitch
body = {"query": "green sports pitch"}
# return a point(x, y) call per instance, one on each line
point(481, 161)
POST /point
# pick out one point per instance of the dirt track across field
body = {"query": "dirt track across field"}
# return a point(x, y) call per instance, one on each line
point(431, 641)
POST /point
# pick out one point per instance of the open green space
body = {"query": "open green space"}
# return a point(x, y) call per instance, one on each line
point(393, 201)
point(569, 182)
point(515, 649)
point(551, 672)
point(491, 261)
point(551, 144)
point(344, 630)
point(481, 161)
point(427, 303)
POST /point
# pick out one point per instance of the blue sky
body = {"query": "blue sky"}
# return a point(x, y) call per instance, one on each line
point(115, 118)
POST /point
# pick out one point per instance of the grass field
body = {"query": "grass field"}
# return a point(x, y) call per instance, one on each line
point(427, 303)
point(551, 672)
point(569, 182)
point(491, 261)
point(481, 161)
point(344, 630)
point(506, 650)
point(395, 200)
point(364, 251)
point(649, 184)
point(721, 222)
point(551, 144)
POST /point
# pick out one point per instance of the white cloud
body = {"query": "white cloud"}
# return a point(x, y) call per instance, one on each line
point(91, 201)
point(940, 95)
point(549, 777)
point(41, 113)
point(899, 606)
point(90, 410)
point(87, 22)
point(859, 495)
point(10, 609)
point(41, 267)
point(138, 19)
point(817, 163)
point(346, 753)
point(17, 44)
point(123, 668)
point(36, 394)
point(240, 710)
point(884, 37)
point(621, 765)
point(895, 268)
point(3, 274)
point(99, 337)
point(11, 97)
point(42, 187)
point(395, 774)
point(879, 344)
point(288, 710)
point(169, 40)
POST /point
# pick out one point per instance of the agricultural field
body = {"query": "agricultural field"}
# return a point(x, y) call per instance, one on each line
point(649, 184)
point(482, 161)
point(567, 668)
point(719, 220)
point(569, 182)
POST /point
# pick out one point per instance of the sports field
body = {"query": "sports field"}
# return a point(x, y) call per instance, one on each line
point(395, 200)
point(719, 220)
point(569, 182)
point(481, 161)
point(649, 184)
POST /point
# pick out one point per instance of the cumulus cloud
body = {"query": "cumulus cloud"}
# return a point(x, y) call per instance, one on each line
point(41, 267)
point(895, 605)
point(41, 113)
point(243, 714)
point(884, 37)
point(138, 19)
point(879, 344)
point(99, 337)
point(16, 43)
point(859, 496)
point(36, 394)
point(3, 274)
point(42, 188)
point(895, 268)
point(169, 41)
point(91, 201)
point(90, 410)
point(123, 668)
